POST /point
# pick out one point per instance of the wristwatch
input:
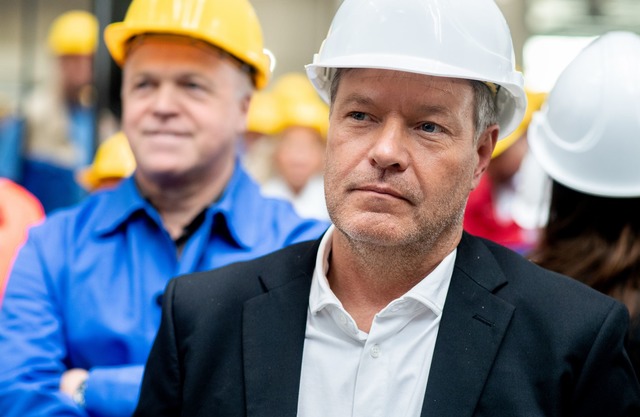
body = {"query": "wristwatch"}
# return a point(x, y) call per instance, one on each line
point(78, 394)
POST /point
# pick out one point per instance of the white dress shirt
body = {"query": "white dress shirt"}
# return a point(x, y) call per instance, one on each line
point(347, 372)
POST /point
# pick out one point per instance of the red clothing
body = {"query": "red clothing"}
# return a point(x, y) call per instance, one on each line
point(481, 219)
point(19, 210)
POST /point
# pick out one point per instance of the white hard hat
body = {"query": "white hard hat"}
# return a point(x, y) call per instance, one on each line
point(466, 39)
point(587, 136)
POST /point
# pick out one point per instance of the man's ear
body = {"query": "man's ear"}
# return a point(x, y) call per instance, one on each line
point(484, 148)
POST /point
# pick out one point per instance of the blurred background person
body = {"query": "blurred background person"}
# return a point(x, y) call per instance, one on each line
point(83, 301)
point(298, 157)
point(19, 210)
point(263, 122)
point(587, 138)
point(10, 141)
point(490, 208)
point(112, 163)
point(60, 119)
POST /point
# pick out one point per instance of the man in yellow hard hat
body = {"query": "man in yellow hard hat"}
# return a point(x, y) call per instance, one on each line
point(84, 298)
point(395, 311)
point(60, 116)
point(263, 121)
point(298, 157)
point(113, 162)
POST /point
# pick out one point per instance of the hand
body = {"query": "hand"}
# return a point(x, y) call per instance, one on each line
point(71, 380)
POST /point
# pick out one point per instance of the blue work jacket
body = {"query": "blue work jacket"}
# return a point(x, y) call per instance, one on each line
point(53, 183)
point(86, 288)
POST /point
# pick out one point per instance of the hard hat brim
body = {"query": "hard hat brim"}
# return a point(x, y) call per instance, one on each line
point(116, 36)
point(86, 179)
point(511, 97)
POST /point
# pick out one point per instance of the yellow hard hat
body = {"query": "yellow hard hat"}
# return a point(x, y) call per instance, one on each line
point(229, 25)
point(294, 86)
point(300, 104)
point(74, 33)
point(310, 112)
point(265, 114)
point(113, 159)
point(534, 103)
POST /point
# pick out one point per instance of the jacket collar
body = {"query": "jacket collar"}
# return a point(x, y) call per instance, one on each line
point(473, 325)
point(474, 322)
point(274, 328)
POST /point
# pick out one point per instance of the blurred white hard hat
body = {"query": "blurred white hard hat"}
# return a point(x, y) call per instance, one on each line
point(587, 136)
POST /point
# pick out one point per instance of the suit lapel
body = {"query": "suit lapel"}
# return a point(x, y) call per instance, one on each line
point(274, 327)
point(473, 324)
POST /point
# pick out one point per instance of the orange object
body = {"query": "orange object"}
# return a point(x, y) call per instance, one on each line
point(19, 210)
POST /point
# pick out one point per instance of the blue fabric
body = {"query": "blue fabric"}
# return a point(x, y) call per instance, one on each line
point(11, 148)
point(86, 288)
point(52, 183)
point(82, 132)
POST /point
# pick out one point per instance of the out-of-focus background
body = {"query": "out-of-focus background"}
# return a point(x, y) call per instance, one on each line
point(546, 33)
point(46, 156)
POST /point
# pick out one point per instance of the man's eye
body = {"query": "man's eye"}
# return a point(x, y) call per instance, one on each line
point(192, 85)
point(356, 115)
point(141, 84)
point(430, 128)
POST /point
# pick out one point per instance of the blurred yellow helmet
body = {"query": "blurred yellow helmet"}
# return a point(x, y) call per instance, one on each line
point(310, 112)
point(265, 114)
point(113, 160)
point(534, 103)
point(299, 103)
point(294, 86)
point(229, 25)
point(74, 33)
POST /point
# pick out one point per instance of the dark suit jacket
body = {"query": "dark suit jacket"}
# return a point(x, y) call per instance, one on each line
point(514, 340)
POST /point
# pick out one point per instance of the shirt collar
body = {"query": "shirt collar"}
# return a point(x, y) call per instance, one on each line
point(430, 291)
point(240, 195)
point(240, 192)
point(118, 205)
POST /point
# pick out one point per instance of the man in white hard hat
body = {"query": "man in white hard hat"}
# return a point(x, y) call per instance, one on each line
point(82, 304)
point(587, 141)
point(395, 311)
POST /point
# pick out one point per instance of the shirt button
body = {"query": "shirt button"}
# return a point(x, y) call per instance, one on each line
point(343, 319)
point(375, 351)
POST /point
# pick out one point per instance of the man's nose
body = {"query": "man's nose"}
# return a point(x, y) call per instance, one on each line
point(389, 148)
point(165, 102)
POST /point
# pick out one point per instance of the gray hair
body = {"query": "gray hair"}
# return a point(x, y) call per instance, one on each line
point(486, 113)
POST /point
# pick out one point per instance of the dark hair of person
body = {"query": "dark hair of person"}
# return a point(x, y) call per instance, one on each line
point(596, 240)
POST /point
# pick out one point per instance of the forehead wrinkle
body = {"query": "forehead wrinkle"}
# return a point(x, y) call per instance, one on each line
point(357, 98)
point(431, 88)
point(432, 109)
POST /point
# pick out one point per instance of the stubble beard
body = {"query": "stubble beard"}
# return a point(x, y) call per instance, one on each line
point(389, 248)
